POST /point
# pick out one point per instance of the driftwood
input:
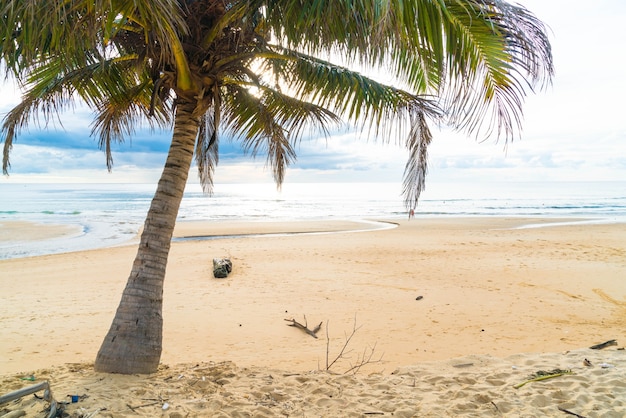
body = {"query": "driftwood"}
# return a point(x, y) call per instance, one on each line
point(603, 345)
point(27, 391)
point(222, 267)
point(47, 395)
point(312, 332)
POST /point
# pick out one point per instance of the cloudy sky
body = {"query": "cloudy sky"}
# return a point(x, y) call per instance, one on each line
point(575, 130)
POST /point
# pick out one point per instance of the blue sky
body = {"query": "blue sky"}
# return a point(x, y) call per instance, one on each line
point(575, 130)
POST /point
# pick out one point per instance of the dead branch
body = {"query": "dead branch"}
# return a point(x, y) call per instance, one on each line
point(342, 353)
point(570, 412)
point(312, 332)
point(134, 408)
point(362, 360)
point(365, 358)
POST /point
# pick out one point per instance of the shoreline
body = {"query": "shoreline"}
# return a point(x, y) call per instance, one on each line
point(35, 233)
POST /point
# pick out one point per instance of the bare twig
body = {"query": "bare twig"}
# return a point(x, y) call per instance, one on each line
point(570, 412)
point(343, 349)
point(327, 346)
point(365, 358)
point(495, 406)
point(362, 360)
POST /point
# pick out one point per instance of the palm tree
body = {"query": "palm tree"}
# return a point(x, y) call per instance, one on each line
point(266, 72)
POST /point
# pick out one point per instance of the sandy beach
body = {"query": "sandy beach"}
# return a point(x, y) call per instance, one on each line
point(451, 313)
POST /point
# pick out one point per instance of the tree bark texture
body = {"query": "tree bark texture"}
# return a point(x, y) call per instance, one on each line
point(134, 341)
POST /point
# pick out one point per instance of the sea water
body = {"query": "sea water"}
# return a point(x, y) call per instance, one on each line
point(111, 214)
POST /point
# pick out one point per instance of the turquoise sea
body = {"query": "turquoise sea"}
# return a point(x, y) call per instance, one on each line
point(111, 214)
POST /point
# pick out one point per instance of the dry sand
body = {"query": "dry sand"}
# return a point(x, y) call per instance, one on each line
point(488, 292)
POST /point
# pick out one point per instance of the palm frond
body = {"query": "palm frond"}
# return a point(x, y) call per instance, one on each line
point(369, 32)
point(119, 97)
point(251, 119)
point(271, 122)
point(117, 116)
point(416, 168)
point(348, 93)
point(496, 51)
point(207, 146)
point(226, 16)
point(42, 102)
point(34, 29)
point(476, 53)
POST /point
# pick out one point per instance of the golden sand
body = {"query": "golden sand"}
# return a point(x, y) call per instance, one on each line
point(425, 297)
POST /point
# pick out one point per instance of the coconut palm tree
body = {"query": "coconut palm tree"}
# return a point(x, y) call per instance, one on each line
point(268, 73)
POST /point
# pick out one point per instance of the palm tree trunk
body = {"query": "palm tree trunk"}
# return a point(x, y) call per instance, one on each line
point(134, 341)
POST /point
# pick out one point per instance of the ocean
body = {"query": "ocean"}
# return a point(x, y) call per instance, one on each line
point(111, 214)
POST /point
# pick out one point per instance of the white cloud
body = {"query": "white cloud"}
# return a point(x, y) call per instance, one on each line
point(9, 96)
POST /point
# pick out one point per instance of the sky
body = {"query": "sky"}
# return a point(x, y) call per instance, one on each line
point(575, 130)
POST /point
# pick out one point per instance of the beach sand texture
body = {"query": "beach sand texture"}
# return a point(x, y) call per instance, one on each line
point(488, 292)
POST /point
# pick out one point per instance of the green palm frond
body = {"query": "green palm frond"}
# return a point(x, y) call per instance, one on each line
point(120, 98)
point(473, 52)
point(225, 16)
point(118, 116)
point(32, 29)
point(388, 111)
point(296, 114)
point(350, 94)
point(496, 50)
point(248, 118)
point(256, 122)
point(368, 32)
point(476, 56)
point(44, 100)
point(272, 123)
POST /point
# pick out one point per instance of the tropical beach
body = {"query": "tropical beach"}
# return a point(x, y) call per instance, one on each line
point(435, 317)
point(501, 294)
